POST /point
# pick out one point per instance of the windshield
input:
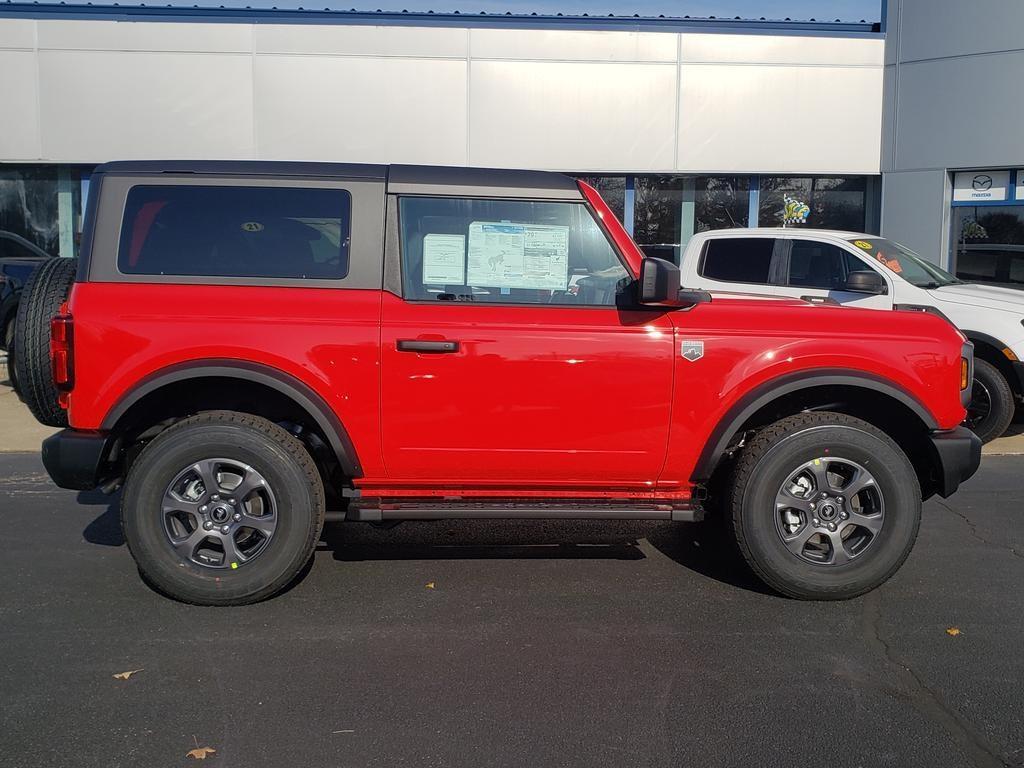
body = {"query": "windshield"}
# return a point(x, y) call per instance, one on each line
point(905, 262)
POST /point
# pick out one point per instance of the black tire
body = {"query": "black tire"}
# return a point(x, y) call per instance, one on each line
point(12, 370)
point(290, 475)
point(45, 290)
point(992, 405)
point(767, 464)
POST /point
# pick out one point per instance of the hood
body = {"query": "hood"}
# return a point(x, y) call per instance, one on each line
point(990, 296)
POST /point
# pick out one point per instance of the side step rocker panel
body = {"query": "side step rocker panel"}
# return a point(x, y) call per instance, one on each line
point(364, 510)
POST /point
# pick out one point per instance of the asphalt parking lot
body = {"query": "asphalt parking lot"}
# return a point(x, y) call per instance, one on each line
point(511, 644)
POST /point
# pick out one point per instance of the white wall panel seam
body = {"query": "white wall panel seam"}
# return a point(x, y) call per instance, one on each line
point(678, 95)
point(252, 93)
point(39, 94)
point(961, 56)
point(469, 90)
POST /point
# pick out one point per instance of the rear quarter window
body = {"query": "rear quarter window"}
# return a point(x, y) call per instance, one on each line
point(235, 231)
point(738, 259)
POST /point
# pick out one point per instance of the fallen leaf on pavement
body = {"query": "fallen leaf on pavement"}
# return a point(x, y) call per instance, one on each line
point(200, 753)
point(126, 675)
point(953, 631)
point(430, 585)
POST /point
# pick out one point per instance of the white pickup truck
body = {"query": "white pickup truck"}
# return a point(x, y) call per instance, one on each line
point(872, 272)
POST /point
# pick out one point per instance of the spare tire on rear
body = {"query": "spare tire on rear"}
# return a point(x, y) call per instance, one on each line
point(45, 290)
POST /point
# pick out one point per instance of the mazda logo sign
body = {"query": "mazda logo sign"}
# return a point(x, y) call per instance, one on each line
point(982, 182)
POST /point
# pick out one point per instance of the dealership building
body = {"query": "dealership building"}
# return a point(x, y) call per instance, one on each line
point(908, 126)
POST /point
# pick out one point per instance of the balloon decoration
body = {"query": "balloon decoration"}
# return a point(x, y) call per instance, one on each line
point(795, 212)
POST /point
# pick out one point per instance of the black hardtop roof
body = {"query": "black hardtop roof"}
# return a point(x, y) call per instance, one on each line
point(400, 178)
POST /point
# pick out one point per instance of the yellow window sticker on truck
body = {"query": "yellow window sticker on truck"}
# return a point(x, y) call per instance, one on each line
point(863, 244)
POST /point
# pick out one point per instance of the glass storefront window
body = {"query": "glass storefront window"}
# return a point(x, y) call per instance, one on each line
point(988, 244)
point(613, 192)
point(668, 210)
point(835, 202)
point(658, 215)
point(722, 202)
point(43, 204)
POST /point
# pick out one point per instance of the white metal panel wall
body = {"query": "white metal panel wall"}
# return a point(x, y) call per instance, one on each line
point(572, 115)
point(952, 100)
point(372, 110)
point(575, 100)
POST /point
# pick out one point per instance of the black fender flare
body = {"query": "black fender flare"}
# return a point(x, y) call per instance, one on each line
point(298, 391)
point(990, 340)
point(763, 394)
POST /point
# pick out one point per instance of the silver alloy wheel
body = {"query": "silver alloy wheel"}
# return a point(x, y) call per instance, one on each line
point(219, 513)
point(829, 511)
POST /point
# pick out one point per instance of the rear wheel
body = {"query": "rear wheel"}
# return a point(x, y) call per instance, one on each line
point(45, 290)
point(222, 508)
point(992, 406)
point(824, 506)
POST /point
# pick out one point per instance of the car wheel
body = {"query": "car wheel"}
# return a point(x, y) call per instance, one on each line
point(824, 506)
point(992, 406)
point(12, 370)
point(222, 508)
point(45, 290)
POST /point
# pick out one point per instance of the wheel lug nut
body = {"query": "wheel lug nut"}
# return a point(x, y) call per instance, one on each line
point(815, 522)
point(203, 508)
point(231, 501)
point(831, 526)
point(216, 497)
point(843, 515)
point(208, 525)
point(225, 529)
point(813, 505)
point(237, 517)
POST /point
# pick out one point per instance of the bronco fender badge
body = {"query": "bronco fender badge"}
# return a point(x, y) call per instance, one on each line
point(692, 350)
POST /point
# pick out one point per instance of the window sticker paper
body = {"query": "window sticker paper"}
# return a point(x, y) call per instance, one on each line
point(503, 255)
point(444, 259)
point(495, 254)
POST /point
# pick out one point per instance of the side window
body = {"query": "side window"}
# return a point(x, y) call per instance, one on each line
point(820, 265)
point(506, 251)
point(229, 231)
point(738, 259)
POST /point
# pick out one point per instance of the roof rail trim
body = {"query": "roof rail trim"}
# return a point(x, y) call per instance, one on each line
point(165, 13)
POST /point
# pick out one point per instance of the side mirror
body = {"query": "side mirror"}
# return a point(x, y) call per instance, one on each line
point(866, 281)
point(658, 283)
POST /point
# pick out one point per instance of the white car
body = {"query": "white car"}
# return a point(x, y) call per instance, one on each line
point(872, 272)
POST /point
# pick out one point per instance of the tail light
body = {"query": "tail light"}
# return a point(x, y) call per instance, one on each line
point(62, 342)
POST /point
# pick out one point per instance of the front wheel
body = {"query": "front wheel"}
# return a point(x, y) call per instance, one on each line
point(824, 506)
point(222, 508)
point(992, 406)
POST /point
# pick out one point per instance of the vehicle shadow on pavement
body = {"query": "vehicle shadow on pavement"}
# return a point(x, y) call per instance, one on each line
point(707, 548)
point(483, 540)
point(704, 548)
point(105, 530)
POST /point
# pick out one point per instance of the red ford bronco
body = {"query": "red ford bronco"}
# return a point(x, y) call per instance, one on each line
point(251, 348)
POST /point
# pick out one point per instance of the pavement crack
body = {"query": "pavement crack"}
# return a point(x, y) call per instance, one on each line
point(907, 682)
point(974, 530)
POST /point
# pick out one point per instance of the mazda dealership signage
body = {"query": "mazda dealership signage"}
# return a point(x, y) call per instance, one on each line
point(981, 185)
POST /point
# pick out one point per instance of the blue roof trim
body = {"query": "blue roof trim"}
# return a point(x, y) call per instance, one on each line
point(116, 12)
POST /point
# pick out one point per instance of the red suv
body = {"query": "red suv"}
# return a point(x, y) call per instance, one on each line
point(252, 348)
